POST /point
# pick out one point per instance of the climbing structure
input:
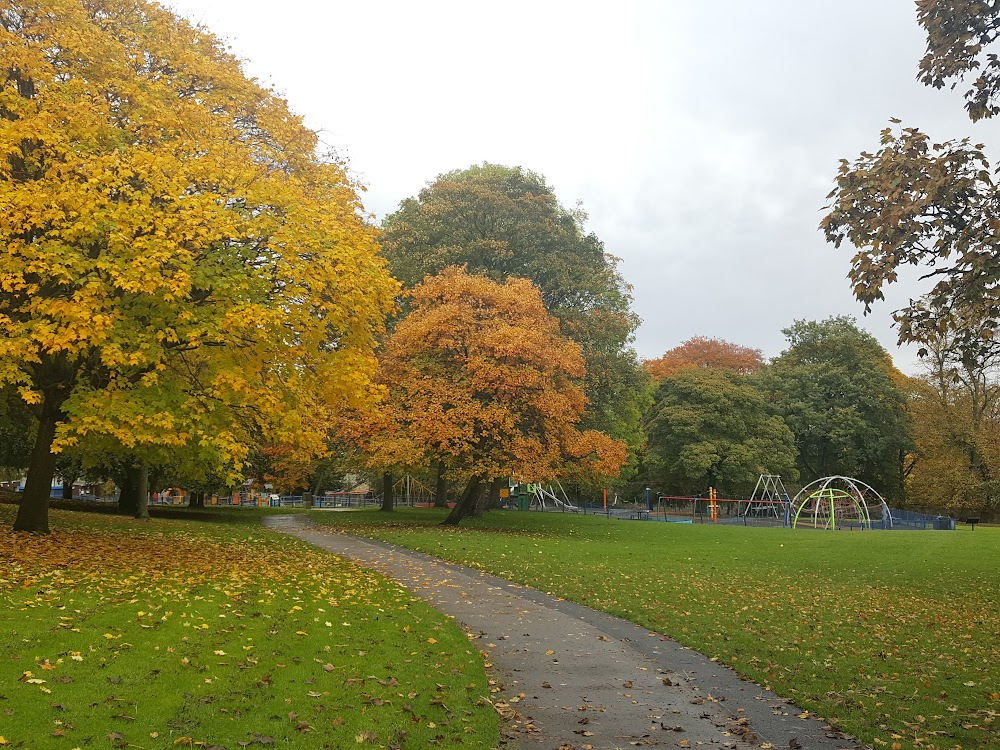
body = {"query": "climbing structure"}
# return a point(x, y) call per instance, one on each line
point(833, 502)
point(768, 498)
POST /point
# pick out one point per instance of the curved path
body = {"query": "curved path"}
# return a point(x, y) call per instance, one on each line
point(575, 678)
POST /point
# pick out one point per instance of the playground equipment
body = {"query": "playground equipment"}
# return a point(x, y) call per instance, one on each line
point(769, 498)
point(832, 501)
point(534, 496)
point(411, 491)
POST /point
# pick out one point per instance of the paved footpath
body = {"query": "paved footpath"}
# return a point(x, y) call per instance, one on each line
point(575, 678)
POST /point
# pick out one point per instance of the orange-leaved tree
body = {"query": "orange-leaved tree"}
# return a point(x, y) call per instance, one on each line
point(701, 351)
point(179, 264)
point(480, 379)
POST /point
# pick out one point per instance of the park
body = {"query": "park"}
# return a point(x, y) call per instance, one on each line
point(216, 631)
point(287, 463)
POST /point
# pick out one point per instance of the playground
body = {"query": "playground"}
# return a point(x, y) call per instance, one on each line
point(828, 503)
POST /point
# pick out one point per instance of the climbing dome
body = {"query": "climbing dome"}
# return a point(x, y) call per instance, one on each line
point(839, 501)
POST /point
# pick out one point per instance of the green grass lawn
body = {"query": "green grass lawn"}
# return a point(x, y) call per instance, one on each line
point(179, 633)
point(893, 636)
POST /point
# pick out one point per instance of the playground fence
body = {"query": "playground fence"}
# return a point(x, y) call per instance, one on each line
point(732, 512)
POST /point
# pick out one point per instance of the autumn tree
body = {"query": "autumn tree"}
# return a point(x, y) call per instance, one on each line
point(960, 37)
point(833, 387)
point(955, 407)
point(930, 204)
point(704, 352)
point(504, 222)
point(711, 427)
point(180, 267)
point(480, 379)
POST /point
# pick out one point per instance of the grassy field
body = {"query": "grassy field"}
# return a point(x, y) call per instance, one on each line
point(892, 636)
point(179, 633)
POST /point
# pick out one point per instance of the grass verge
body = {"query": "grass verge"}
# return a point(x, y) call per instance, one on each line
point(166, 634)
point(892, 636)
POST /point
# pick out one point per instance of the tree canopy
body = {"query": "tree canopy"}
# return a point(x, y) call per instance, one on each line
point(480, 379)
point(960, 37)
point(504, 222)
point(179, 265)
point(711, 427)
point(930, 204)
point(702, 351)
point(834, 388)
point(955, 407)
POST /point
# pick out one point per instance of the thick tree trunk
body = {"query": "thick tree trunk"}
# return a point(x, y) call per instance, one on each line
point(67, 487)
point(441, 487)
point(196, 499)
point(488, 499)
point(33, 512)
point(467, 503)
point(387, 499)
point(142, 504)
point(493, 501)
point(128, 497)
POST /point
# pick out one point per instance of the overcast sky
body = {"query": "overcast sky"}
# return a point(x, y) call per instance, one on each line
point(701, 138)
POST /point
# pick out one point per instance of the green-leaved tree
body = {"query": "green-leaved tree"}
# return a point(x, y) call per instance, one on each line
point(712, 427)
point(834, 389)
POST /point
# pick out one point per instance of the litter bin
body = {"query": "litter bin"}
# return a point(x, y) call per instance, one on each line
point(944, 523)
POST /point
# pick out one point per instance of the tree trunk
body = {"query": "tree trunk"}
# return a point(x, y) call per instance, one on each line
point(196, 499)
point(33, 512)
point(441, 488)
point(128, 497)
point(489, 500)
point(142, 492)
point(67, 487)
point(387, 499)
point(467, 503)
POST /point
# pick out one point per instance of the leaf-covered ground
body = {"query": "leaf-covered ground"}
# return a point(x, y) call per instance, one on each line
point(171, 634)
point(892, 636)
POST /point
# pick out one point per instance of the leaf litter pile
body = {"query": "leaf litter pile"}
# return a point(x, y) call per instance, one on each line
point(118, 634)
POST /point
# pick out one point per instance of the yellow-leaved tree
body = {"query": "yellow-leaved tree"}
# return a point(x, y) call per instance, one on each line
point(480, 379)
point(180, 266)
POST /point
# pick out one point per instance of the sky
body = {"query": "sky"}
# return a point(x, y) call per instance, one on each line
point(701, 138)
